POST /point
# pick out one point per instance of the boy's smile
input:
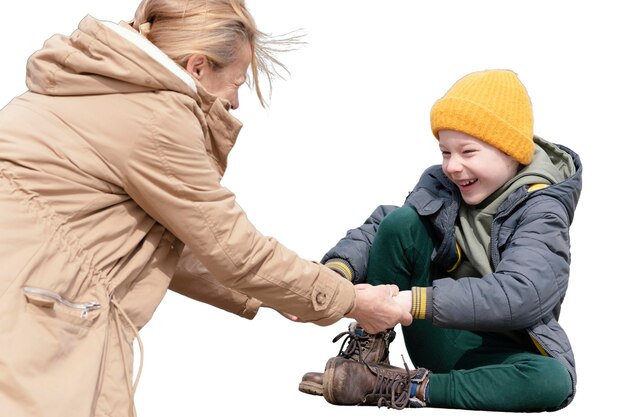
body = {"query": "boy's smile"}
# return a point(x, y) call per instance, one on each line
point(475, 167)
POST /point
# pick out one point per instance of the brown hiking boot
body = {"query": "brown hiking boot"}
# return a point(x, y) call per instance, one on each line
point(348, 382)
point(312, 383)
point(358, 345)
point(365, 347)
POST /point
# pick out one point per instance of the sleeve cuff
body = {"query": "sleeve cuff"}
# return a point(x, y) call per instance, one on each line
point(251, 308)
point(422, 304)
point(341, 267)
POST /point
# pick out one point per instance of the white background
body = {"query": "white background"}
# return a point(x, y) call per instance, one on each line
point(348, 130)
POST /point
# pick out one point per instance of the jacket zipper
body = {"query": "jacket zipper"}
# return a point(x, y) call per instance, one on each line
point(538, 343)
point(84, 308)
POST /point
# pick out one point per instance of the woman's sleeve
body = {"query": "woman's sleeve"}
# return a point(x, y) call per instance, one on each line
point(171, 175)
point(193, 280)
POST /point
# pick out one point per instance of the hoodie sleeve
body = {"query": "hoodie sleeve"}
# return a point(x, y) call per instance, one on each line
point(529, 281)
point(171, 176)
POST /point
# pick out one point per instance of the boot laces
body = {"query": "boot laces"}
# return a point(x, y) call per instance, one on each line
point(353, 343)
point(392, 389)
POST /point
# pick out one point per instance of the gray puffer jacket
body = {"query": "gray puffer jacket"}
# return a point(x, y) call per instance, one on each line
point(530, 257)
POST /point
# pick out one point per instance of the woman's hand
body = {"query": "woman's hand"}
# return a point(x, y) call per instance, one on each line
point(378, 309)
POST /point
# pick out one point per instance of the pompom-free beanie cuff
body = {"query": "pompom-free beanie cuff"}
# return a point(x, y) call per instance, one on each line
point(453, 113)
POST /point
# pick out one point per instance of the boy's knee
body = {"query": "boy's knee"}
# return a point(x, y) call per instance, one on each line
point(555, 385)
point(403, 220)
point(561, 384)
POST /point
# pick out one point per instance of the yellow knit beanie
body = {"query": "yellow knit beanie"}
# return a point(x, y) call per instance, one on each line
point(492, 106)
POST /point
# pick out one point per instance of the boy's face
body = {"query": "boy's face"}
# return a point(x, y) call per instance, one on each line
point(477, 168)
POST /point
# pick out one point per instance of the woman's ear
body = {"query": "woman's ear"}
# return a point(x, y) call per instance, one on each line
point(197, 64)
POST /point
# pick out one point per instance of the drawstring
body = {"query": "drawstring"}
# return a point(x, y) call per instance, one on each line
point(132, 387)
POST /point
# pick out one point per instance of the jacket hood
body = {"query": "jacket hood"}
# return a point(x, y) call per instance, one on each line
point(554, 165)
point(106, 58)
point(103, 58)
point(550, 165)
point(567, 191)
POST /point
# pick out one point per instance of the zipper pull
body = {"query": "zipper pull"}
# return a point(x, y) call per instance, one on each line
point(87, 307)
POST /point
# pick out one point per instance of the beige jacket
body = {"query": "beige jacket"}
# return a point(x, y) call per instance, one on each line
point(109, 166)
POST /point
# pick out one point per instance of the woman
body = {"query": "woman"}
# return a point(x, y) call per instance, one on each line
point(110, 165)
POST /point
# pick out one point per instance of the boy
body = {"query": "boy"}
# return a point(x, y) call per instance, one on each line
point(480, 252)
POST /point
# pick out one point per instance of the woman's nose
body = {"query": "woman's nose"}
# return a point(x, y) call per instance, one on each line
point(234, 103)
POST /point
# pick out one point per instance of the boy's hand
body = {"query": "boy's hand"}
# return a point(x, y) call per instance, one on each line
point(405, 299)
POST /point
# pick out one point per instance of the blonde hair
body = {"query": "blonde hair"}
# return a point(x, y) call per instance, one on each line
point(214, 28)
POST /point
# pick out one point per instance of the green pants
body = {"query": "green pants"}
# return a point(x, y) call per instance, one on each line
point(470, 370)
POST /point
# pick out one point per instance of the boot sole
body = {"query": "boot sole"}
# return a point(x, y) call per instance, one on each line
point(311, 388)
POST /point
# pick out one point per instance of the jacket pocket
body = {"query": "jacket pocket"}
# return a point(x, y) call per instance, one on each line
point(52, 344)
point(53, 305)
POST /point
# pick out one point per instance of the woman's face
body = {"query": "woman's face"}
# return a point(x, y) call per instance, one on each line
point(475, 167)
point(222, 82)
